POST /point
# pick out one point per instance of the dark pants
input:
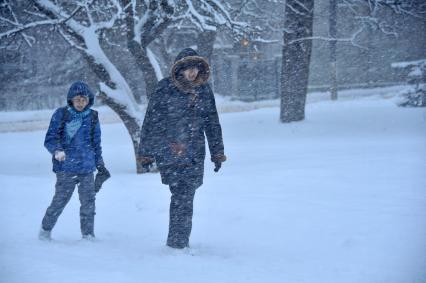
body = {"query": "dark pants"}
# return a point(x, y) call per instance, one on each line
point(181, 209)
point(64, 188)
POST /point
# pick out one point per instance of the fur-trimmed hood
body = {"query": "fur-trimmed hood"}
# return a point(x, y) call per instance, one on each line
point(186, 59)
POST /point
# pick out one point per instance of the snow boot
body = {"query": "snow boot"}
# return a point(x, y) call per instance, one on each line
point(89, 237)
point(44, 235)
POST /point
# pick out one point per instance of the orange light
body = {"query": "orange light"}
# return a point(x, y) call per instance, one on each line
point(245, 42)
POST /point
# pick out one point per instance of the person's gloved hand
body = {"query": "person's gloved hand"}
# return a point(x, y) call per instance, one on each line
point(146, 162)
point(102, 175)
point(217, 160)
point(102, 170)
point(59, 155)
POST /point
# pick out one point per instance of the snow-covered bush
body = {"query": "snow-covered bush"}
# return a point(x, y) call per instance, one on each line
point(416, 95)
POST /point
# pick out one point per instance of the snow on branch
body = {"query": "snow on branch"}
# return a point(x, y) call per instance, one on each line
point(86, 38)
point(155, 63)
point(68, 38)
point(369, 16)
point(21, 27)
point(407, 7)
point(56, 12)
point(199, 20)
point(296, 10)
point(208, 15)
point(262, 18)
point(145, 22)
point(303, 6)
point(406, 64)
point(351, 39)
point(18, 27)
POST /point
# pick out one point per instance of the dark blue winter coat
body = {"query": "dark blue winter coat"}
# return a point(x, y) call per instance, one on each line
point(83, 151)
point(184, 115)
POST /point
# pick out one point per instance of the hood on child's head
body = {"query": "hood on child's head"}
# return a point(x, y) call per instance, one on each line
point(80, 88)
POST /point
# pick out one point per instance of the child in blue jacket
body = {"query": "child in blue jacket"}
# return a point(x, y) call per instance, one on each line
point(74, 140)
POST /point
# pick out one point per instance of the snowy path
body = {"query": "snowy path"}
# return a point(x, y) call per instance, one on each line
point(340, 197)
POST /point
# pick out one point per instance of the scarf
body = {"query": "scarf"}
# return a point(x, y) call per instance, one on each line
point(75, 123)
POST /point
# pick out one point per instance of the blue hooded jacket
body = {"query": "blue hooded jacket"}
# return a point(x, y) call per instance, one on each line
point(71, 132)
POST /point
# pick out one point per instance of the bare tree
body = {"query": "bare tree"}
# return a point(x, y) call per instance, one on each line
point(254, 21)
point(205, 24)
point(264, 17)
point(333, 47)
point(298, 17)
point(145, 21)
point(83, 25)
point(369, 14)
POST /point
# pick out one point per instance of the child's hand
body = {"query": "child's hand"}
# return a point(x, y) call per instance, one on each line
point(60, 155)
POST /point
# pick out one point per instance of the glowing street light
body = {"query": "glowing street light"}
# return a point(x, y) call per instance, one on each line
point(245, 42)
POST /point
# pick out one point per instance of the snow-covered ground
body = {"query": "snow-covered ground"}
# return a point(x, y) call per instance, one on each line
point(339, 197)
point(16, 121)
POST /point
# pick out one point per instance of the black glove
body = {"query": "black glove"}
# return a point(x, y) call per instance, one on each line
point(146, 162)
point(102, 175)
point(217, 160)
point(217, 166)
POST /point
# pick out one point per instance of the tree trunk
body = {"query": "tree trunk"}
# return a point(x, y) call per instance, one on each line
point(296, 59)
point(138, 43)
point(333, 47)
point(131, 123)
point(102, 67)
point(142, 61)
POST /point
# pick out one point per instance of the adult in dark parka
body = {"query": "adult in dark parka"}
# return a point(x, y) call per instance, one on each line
point(180, 113)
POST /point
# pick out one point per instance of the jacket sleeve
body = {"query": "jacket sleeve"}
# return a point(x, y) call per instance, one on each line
point(153, 133)
point(53, 139)
point(97, 144)
point(212, 126)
